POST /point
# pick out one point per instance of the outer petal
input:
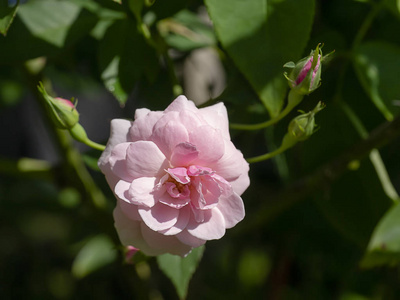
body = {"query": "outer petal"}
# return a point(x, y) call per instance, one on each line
point(144, 159)
point(160, 243)
point(232, 208)
point(181, 103)
point(159, 217)
point(118, 134)
point(232, 164)
point(188, 239)
point(142, 127)
point(212, 228)
point(216, 116)
point(117, 161)
point(129, 231)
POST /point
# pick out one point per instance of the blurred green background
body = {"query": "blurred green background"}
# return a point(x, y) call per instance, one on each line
point(305, 233)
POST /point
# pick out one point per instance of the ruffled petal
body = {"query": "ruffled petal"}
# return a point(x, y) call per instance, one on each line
point(159, 217)
point(173, 202)
point(212, 228)
point(144, 159)
point(232, 208)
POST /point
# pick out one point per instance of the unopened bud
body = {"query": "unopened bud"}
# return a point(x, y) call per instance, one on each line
point(130, 252)
point(63, 112)
point(305, 76)
point(303, 126)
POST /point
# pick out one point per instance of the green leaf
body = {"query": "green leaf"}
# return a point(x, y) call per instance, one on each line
point(98, 252)
point(7, 15)
point(128, 60)
point(179, 269)
point(49, 20)
point(186, 31)
point(393, 6)
point(272, 31)
point(376, 64)
point(384, 246)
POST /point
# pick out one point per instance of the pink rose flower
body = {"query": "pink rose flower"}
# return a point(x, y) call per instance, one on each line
point(177, 177)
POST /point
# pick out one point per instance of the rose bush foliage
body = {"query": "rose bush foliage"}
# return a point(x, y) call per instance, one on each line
point(177, 177)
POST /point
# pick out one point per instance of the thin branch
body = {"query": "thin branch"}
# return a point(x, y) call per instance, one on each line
point(324, 175)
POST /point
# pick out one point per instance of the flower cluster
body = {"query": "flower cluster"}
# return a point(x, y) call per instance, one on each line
point(177, 177)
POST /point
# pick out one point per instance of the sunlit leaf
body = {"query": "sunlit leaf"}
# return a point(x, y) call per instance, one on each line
point(96, 253)
point(261, 36)
point(179, 269)
point(128, 60)
point(384, 246)
point(7, 14)
point(48, 19)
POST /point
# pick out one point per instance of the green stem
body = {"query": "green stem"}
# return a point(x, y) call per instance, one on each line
point(293, 100)
point(366, 24)
point(323, 176)
point(95, 145)
point(287, 142)
point(75, 170)
point(374, 155)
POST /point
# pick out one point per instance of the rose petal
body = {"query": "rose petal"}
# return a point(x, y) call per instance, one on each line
point(184, 154)
point(144, 159)
point(232, 164)
point(141, 191)
point(121, 190)
point(216, 116)
point(232, 208)
point(209, 143)
point(118, 161)
point(159, 217)
point(169, 135)
point(188, 239)
point(179, 174)
point(160, 243)
point(118, 134)
point(173, 202)
point(181, 103)
point(212, 228)
point(183, 219)
point(129, 231)
point(142, 127)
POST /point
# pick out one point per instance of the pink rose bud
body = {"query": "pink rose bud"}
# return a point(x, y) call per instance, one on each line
point(177, 177)
point(305, 76)
point(130, 251)
point(63, 112)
